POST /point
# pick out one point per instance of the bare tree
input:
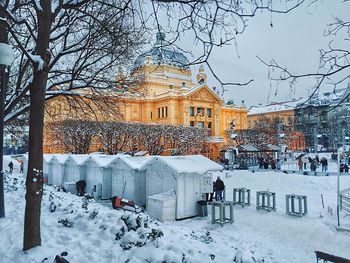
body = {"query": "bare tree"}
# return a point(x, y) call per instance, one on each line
point(213, 24)
point(152, 138)
point(334, 61)
point(113, 136)
point(61, 47)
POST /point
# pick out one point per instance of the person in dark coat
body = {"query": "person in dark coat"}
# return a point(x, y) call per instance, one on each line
point(273, 164)
point(219, 188)
point(266, 164)
point(21, 167)
point(80, 186)
point(11, 166)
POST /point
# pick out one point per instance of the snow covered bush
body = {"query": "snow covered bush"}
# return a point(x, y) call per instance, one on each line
point(65, 222)
point(88, 198)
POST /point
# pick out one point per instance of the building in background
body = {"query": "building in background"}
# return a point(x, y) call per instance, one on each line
point(325, 120)
point(167, 95)
point(273, 123)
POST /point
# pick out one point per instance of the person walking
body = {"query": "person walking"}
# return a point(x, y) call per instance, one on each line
point(278, 164)
point(219, 187)
point(11, 166)
point(273, 164)
point(324, 164)
point(300, 164)
point(21, 167)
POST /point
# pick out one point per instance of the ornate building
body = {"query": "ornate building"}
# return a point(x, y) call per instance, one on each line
point(325, 120)
point(280, 119)
point(168, 95)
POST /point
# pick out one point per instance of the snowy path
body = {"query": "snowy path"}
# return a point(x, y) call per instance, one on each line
point(274, 237)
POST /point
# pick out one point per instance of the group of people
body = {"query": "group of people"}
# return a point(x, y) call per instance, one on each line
point(10, 165)
point(314, 163)
point(264, 163)
point(218, 189)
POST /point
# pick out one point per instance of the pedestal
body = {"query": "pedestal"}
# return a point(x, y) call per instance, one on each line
point(220, 207)
point(293, 209)
point(266, 200)
point(241, 196)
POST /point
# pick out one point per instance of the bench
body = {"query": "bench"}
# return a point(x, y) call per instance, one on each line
point(330, 258)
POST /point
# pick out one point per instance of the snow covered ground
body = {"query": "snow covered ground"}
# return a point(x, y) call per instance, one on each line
point(255, 236)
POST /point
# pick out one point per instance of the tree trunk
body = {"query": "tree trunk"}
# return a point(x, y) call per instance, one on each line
point(34, 182)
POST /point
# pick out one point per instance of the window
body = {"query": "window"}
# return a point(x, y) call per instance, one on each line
point(209, 113)
point(158, 112)
point(200, 111)
point(151, 115)
point(209, 125)
point(162, 112)
point(166, 111)
point(192, 123)
point(191, 111)
point(200, 124)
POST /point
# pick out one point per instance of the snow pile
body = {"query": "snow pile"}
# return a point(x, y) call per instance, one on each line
point(94, 232)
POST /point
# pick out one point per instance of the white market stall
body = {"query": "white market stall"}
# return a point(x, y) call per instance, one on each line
point(74, 171)
point(56, 169)
point(98, 176)
point(46, 163)
point(75, 168)
point(128, 181)
point(182, 173)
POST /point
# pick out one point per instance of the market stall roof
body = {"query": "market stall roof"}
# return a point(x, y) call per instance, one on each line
point(186, 164)
point(272, 147)
point(247, 148)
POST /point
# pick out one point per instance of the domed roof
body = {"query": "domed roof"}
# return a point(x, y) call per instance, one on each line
point(162, 53)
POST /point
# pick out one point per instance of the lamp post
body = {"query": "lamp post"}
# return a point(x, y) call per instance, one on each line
point(6, 58)
point(282, 136)
point(318, 137)
point(232, 137)
point(340, 150)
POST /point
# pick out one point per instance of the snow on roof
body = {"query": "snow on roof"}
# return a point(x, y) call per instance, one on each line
point(140, 153)
point(78, 159)
point(61, 158)
point(248, 147)
point(135, 162)
point(273, 147)
point(101, 160)
point(187, 164)
point(48, 157)
point(275, 107)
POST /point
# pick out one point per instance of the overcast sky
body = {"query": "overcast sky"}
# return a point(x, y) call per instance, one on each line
point(294, 41)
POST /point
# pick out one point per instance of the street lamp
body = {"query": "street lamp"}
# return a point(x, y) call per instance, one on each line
point(233, 136)
point(282, 136)
point(318, 137)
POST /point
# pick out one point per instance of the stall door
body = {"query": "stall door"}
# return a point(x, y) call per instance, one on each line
point(192, 195)
point(117, 182)
point(107, 183)
point(90, 177)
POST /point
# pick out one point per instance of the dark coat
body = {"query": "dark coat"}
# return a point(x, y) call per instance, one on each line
point(219, 185)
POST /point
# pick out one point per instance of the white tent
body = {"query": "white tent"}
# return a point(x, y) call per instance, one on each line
point(75, 169)
point(56, 169)
point(99, 175)
point(25, 164)
point(127, 179)
point(182, 173)
point(46, 162)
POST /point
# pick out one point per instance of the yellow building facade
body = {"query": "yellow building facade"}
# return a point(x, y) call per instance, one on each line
point(169, 95)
